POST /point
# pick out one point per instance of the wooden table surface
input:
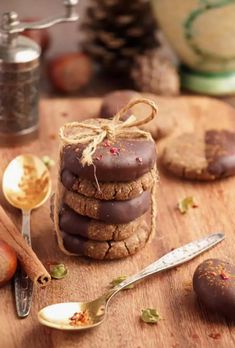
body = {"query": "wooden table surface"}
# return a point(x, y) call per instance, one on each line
point(185, 323)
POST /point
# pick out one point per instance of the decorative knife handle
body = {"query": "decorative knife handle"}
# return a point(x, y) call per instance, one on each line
point(23, 285)
point(185, 253)
point(172, 259)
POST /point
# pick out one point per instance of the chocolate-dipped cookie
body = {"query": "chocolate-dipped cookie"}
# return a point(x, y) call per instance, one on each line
point(214, 284)
point(110, 190)
point(75, 224)
point(205, 156)
point(121, 160)
point(105, 250)
point(106, 185)
point(113, 212)
point(114, 101)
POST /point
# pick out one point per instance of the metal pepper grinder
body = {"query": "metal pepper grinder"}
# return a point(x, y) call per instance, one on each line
point(20, 74)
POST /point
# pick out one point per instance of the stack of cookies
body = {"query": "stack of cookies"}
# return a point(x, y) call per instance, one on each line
point(105, 210)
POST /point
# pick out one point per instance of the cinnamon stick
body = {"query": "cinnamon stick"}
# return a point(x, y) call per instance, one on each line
point(27, 257)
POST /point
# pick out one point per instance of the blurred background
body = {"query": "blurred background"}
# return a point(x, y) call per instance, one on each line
point(145, 45)
point(105, 60)
point(61, 39)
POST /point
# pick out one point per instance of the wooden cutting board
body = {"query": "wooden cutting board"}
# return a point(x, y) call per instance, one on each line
point(185, 322)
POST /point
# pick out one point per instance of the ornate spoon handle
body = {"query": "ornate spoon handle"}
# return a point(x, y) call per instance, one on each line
point(172, 259)
point(23, 285)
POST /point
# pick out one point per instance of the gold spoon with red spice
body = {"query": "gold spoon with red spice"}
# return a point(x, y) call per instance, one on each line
point(85, 315)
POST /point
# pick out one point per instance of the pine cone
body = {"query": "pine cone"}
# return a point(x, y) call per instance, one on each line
point(115, 31)
point(153, 72)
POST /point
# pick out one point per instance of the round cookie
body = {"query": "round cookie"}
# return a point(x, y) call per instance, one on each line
point(75, 224)
point(106, 250)
point(114, 212)
point(214, 284)
point(121, 160)
point(161, 126)
point(110, 190)
point(204, 156)
point(114, 101)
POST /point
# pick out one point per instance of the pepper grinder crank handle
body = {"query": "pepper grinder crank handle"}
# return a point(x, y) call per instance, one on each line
point(11, 24)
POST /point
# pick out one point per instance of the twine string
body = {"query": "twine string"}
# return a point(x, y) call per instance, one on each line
point(110, 129)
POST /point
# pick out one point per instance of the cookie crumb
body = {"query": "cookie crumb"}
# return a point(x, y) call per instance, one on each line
point(52, 136)
point(99, 158)
point(215, 335)
point(64, 114)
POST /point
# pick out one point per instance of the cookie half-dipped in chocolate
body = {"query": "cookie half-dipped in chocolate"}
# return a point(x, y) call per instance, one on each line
point(113, 212)
point(214, 284)
point(106, 250)
point(75, 224)
point(220, 153)
point(110, 190)
point(204, 156)
point(120, 161)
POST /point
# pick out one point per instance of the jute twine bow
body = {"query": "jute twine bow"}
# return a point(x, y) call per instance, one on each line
point(110, 129)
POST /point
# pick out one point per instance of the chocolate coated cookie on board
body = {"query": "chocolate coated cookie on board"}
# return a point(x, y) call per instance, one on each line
point(113, 101)
point(110, 190)
point(214, 284)
point(113, 212)
point(106, 250)
point(201, 156)
point(118, 160)
point(75, 224)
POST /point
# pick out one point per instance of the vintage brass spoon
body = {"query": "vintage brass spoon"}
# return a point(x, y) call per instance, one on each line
point(84, 315)
point(26, 185)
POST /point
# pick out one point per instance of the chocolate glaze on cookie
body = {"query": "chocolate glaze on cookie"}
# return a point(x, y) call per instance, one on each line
point(114, 101)
point(113, 212)
point(75, 224)
point(201, 156)
point(214, 284)
point(124, 211)
point(122, 160)
point(68, 179)
point(220, 152)
point(107, 250)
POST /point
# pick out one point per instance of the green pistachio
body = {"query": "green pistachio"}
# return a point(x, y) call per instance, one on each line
point(150, 316)
point(49, 162)
point(118, 280)
point(186, 203)
point(58, 271)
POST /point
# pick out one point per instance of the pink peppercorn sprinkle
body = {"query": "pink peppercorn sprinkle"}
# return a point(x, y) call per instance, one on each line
point(224, 276)
point(114, 151)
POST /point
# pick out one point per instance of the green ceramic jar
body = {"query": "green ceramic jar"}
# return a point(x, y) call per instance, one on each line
point(202, 32)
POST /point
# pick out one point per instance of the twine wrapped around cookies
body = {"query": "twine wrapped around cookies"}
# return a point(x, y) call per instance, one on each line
point(91, 133)
point(109, 129)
